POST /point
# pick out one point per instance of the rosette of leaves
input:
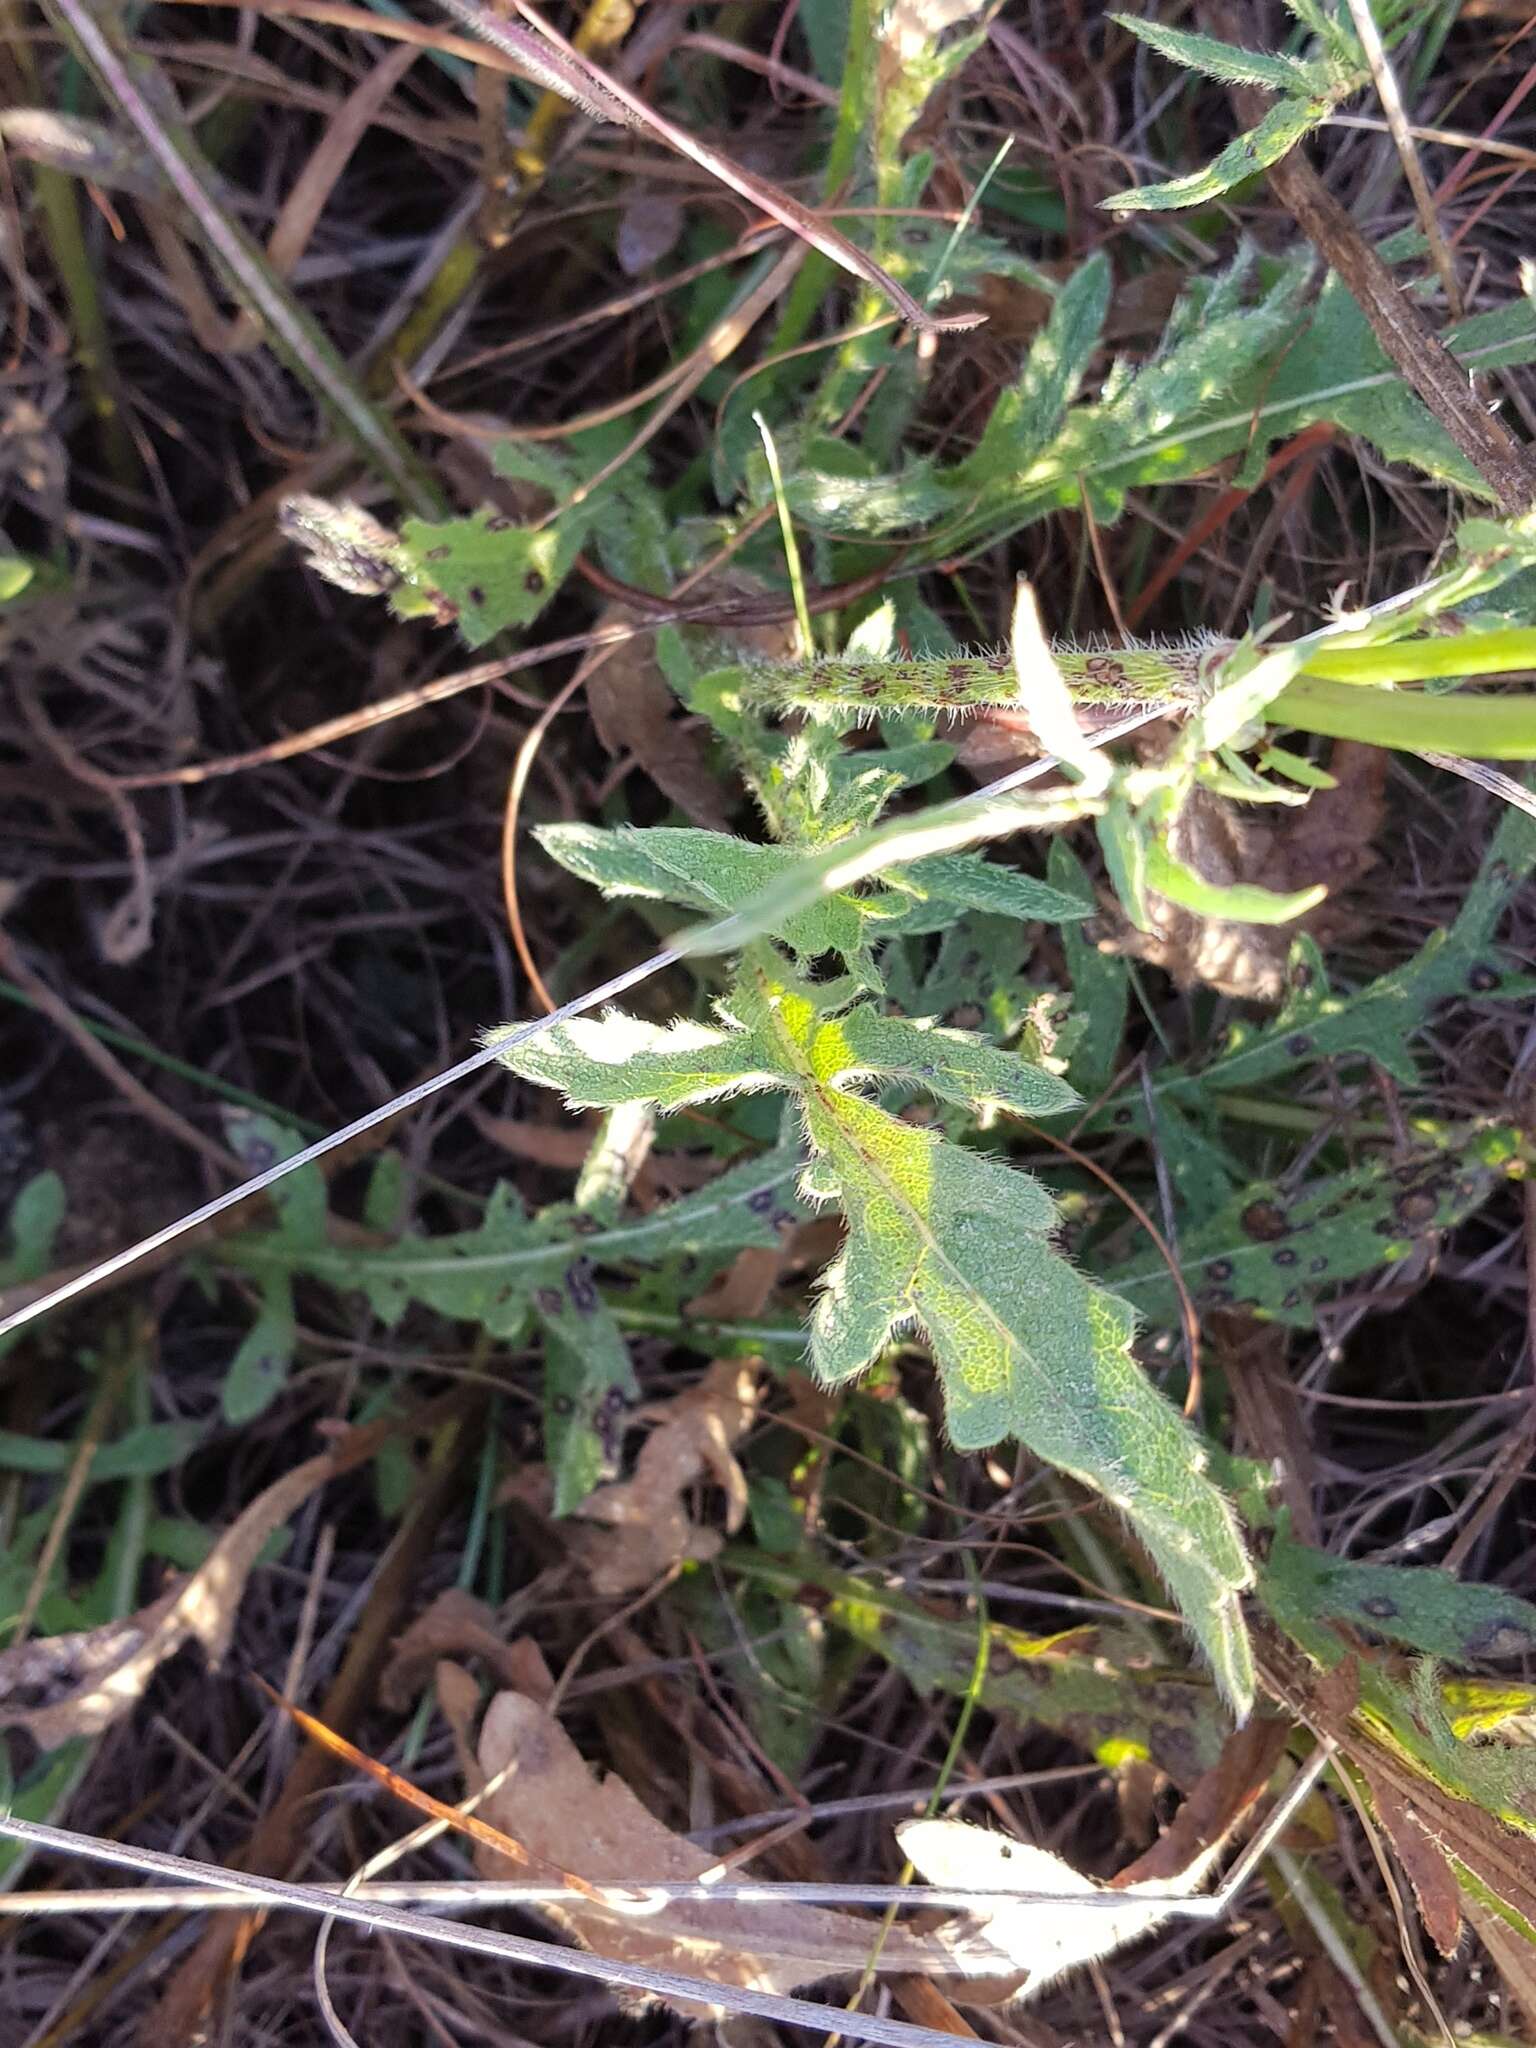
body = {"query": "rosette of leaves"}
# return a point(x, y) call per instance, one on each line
point(945, 1240)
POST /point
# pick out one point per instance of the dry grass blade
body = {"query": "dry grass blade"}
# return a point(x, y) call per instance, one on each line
point(1402, 139)
point(377, 1917)
point(306, 201)
point(553, 62)
point(137, 91)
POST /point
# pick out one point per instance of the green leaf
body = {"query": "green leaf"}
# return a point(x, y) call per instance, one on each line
point(714, 873)
point(485, 573)
point(300, 1200)
point(954, 1065)
point(1310, 385)
point(1238, 902)
point(597, 1063)
point(1029, 415)
point(1275, 136)
point(1224, 61)
point(1124, 841)
point(489, 1275)
point(1272, 1251)
point(965, 881)
point(259, 1370)
point(588, 1383)
point(1427, 1610)
point(142, 1453)
point(958, 1246)
point(1101, 983)
point(16, 572)
point(34, 1221)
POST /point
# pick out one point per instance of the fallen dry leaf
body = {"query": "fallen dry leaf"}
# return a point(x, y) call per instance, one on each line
point(1428, 1868)
point(1329, 840)
point(1226, 846)
point(1045, 1940)
point(538, 1790)
point(694, 1440)
point(62, 1686)
point(456, 1624)
point(636, 712)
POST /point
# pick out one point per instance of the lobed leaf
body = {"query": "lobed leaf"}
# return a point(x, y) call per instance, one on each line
point(957, 1245)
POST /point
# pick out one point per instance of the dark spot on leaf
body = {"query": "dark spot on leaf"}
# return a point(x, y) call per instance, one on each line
point(1301, 975)
point(1500, 872)
point(562, 1404)
point(1284, 1257)
point(1293, 1298)
point(760, 1201)
point(533, 582)
point(1220, 1269)
point(1264, 1220)
point(476, 595)
point(1173, 1748)
point(1297, 1044)
point(550, 1301)
point(581, 1287)
point(1380, 1607)
point(1123, 1118)
point(1505, 1636)
point(1416, 1208)
point(498, 522)
point(784, 1219)
point(1483, 978)
point(1318, 1266)
point(437, 554)
point(1327, 1215)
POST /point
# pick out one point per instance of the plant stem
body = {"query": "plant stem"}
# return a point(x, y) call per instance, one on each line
point(1479, 728)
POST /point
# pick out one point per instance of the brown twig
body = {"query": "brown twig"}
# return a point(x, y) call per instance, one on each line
point(1405, 336)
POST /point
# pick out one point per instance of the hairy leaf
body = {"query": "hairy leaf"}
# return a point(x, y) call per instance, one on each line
point(1227, 62)
point(1275, 136)
point(1427, 1610)
point(1272, 1250)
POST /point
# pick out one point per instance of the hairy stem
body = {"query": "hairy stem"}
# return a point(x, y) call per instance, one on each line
point(1344, 693)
